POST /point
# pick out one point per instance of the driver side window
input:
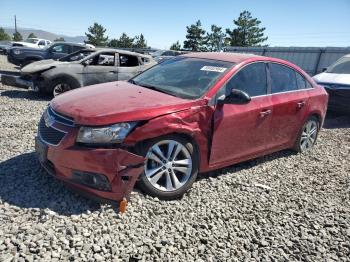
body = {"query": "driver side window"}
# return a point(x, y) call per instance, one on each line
point(60, 49)
point(251, 79)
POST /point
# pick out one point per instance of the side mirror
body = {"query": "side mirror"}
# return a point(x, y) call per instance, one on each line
point(85, 62)
point(324, 69)
point(236, 96)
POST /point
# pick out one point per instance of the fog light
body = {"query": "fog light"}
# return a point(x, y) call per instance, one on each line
point(93, 180)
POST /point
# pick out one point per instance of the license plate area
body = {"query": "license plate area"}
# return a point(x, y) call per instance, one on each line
point(41, 150)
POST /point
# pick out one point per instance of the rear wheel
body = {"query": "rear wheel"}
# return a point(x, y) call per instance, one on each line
point(170, 168)
point(308, 135)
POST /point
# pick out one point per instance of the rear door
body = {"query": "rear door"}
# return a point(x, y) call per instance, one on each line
point(101, 68)
point(241, 131)
point(129, 66)
point(290, 104)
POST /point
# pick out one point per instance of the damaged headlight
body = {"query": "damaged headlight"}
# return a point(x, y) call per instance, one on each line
point(17, 51)
point(102, 135)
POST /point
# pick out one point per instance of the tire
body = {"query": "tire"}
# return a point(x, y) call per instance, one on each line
point(61, 85)
point(166, 179)
point(307, 135)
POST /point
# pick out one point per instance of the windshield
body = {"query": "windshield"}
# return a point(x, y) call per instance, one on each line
point(342, 66)
point(32, 40)
point(183, 77)
point(157, 53)
point(76, 56)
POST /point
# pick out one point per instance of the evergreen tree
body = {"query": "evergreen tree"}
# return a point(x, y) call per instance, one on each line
point(176, 46)
point(3, 35)
point(140, 42)
point(59, 39)
point(247, 33)
point(195, 37)
point(124, 41)
point(96, 35)
point(17, 36)
point(31, 35)
point(215, 38)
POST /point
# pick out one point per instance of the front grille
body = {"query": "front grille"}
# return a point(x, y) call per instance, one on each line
point(65, 120)
point(49, 134)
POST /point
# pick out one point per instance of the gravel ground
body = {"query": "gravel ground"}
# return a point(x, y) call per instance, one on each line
point(282, 207)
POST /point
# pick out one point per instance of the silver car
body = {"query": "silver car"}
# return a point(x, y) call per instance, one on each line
point(83, 68)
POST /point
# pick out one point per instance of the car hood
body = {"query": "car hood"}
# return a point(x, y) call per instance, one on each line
point(115, 102)
point(330, 78)
point(41, 66)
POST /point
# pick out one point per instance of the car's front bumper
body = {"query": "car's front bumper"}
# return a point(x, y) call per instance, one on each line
point(119, 166)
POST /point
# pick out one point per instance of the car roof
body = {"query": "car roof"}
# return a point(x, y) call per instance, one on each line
point(120, 51)
point(223, 56)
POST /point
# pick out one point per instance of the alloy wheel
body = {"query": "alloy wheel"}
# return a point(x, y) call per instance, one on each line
point(168, 165)
point(60, 88)
point(309, 135)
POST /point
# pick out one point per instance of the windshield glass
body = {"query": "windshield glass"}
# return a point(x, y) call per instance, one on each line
point(76, 56)
point(183, 77)
point(32, 40)
point(157, 53)
point(342, 66)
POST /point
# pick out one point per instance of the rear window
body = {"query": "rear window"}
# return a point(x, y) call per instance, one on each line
point(283, 78)
point(342, 66)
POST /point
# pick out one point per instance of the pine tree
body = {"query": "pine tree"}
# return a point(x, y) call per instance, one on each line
point(3, 35)
point(176, 46)
point(195, 37)
point(124, 41)
point(215, 38)
point(247, 33)
point(140, 42)
point(17, 36)
point(59, 39)
point(96, 35)
point(31, 35)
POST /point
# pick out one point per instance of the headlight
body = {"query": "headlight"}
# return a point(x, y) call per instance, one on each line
point(16, 51)
point(101, 135)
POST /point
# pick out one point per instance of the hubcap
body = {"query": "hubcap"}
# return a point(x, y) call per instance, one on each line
point(60, 88)
point(168, 165)
point(308, 136)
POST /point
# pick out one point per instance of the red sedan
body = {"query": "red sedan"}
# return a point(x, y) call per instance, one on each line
point(191, 114)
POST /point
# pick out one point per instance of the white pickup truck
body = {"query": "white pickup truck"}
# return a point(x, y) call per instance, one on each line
point(33, 42)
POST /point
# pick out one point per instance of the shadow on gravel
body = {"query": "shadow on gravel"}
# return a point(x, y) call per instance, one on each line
point(26, 94)
point(246, 165)
point(334, 120)
point(23, 183)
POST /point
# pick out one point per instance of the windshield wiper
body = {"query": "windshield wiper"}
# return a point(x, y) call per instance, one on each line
point(151, 87)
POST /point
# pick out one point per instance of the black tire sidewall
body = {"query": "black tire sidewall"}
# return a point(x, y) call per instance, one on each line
point(147, 187)
point(62, 80)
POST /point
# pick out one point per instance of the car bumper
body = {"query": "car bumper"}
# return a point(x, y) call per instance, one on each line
point(339, 100)
point(119, 166)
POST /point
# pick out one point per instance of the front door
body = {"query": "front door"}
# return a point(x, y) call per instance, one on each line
point(100, 69)
point(241, 131)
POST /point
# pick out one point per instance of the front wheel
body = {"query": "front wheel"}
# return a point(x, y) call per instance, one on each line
point(61, 85)
point(308, 135)
point(170, 168)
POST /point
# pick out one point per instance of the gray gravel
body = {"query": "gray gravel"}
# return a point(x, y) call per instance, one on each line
point(281, 207)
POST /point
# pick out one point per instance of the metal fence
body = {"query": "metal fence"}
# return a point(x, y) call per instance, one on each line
point(310, 59)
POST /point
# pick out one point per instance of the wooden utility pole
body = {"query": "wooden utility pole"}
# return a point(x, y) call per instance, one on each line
point(15, 25)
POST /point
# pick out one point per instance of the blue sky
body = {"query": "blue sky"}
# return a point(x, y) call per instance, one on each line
point(288, 23)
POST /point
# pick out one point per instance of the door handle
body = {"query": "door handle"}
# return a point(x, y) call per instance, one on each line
point(112, 71)
point(301, 104)
point(265, 113)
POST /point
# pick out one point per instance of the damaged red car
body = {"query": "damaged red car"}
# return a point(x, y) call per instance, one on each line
point(194, 113)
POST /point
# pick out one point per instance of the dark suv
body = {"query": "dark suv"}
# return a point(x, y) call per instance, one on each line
point(22, 56)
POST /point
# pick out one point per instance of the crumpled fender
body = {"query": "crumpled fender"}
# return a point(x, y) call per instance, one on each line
point(192, 122)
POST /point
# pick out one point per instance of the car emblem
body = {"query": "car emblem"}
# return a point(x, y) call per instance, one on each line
point(49, 120)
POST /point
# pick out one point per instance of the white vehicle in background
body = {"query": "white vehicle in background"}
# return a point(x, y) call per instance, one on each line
point(336, 81)
point(33, 42)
